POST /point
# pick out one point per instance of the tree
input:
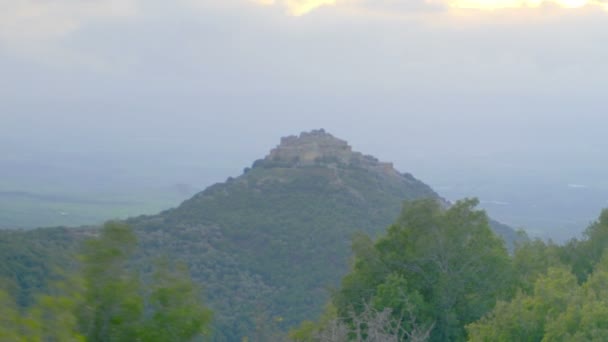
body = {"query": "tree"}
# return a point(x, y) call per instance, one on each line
point(113, 303)
point(586, 316)
point(118, 307)
point(50, 319)
point(563, 293)
point(559, 309)
point(369, 325)
point(584, 254)
point(175, 306)
point(10, 320)
point(445, 263)
point(532, 259)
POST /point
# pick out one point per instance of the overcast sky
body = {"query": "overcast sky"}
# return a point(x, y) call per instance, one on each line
point(448, 90)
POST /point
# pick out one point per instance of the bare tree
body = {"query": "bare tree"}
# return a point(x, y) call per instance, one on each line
point(372, 325)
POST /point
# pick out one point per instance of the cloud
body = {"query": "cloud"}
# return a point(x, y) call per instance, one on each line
point(524, 4)
point(303, 7)
point(223, 46)
point(299, 7)
point(32, 20)
point(495, 202)
point(577, 186)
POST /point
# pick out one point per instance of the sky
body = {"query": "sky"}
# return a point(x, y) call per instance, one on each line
point(501, 99)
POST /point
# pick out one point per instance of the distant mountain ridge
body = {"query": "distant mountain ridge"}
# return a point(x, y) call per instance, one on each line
point(268, 244)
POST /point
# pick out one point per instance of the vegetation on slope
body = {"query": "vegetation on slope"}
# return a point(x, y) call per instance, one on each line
point(275, 239)
point(441, 275)
point(268, 244)
point(440, 269)
point(106, 301)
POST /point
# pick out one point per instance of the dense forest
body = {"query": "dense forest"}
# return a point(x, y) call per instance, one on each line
point(436, 274)
point(442, 275)
point(266, 245)
point(297, 248)
point(105, 300)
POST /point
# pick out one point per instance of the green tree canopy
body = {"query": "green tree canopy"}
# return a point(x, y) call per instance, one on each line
point(563, 293)
point(445, 267)
point(108, 302)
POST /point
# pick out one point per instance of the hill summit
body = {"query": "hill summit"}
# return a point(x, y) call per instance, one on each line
point(319, 148)
point(310, 147)
point(268, 244)
point(274, 239)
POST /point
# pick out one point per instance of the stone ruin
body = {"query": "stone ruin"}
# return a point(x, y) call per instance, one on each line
point(318, 147)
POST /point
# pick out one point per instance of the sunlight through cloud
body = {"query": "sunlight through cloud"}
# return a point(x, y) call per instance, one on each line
point(522, 4)
point(303, 7)
point(299, 7)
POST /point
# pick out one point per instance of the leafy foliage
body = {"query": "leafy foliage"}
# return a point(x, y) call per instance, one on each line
point(266, 244)
point(274, 239)
point(569, 297)
point(107, 302)
point(114, 304)
point(29, 260)
point(443, 268)
point(175, 313)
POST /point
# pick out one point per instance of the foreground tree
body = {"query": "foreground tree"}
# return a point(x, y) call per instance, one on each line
point(118, 307)
point(585, 253)
point(108, 302)
point(50, 319)
point(10, 319)
point(436, 269)
point(569, 296)
point(113, 301)
point(174, 305)
point(525, 317)
point(369, 325)
point(452, 257)
point(531, 260)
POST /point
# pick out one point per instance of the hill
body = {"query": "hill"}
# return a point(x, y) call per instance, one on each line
point(268, 244)
point(274, 239)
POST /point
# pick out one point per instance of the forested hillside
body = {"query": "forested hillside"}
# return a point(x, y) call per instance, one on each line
point(102, 299)
point(267, 245)
point(442, 275)
point(436, 274)
point(274, 240)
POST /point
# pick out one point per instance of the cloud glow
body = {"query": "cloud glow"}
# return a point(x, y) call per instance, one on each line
point(37, 19)
point(492, 5)
point(303, 7)
point(299, 7)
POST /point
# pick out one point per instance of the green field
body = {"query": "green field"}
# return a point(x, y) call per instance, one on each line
point(20, 209)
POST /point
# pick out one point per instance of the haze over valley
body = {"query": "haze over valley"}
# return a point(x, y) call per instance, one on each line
point(549, 191)
point(303, 170)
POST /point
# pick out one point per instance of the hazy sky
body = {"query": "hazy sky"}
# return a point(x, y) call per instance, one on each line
point(195, 90)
